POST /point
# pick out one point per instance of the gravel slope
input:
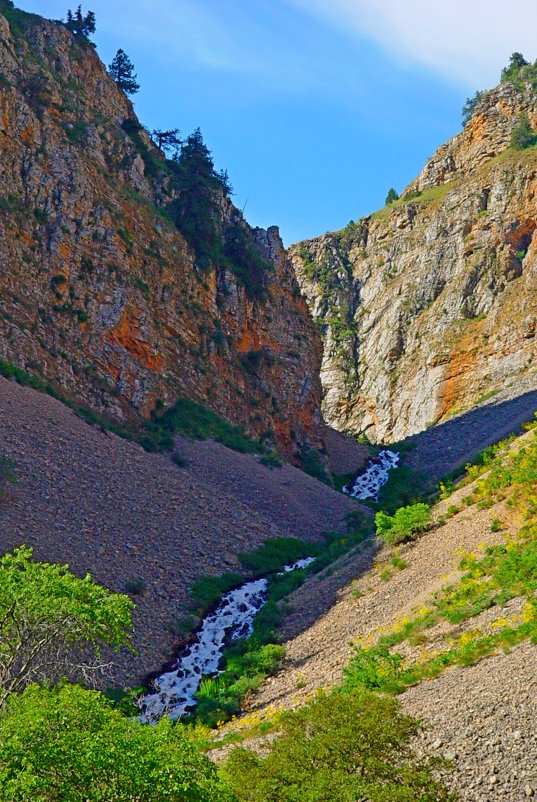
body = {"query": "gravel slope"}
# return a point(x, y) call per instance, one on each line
point(452, 444)
point(482, 717)
point(104, 505)
point(318, 653)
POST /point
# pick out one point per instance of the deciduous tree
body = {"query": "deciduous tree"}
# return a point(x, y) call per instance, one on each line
point(71, 744)
point(53, 624)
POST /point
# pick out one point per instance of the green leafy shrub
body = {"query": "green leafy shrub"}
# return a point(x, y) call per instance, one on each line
point(398, 563)
point(180, 460)
point(338, 747)
point(375, 668)
point(153, 166)
point(271, 460)
point(199, 423)
point(207, 589)
point(135, 587)
point(220, 697)
point(19, 21)
point(404, 486)
point(404, 524)
point(313, 465)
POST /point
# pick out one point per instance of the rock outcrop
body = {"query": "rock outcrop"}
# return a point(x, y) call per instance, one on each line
point(100, 293)
point(429, 306)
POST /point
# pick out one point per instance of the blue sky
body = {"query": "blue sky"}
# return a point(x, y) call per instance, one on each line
point(315, 107)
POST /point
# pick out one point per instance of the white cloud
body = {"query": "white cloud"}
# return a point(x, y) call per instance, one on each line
point(467, 41)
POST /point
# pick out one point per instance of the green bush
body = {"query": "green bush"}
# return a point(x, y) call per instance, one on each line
point(220, 697)
point(313, 465)
point(135, 587)
point(404, 486)
point(339, 747)
point(271, 460)
point(180, 460)
point(404, 524)
point(276, 552)
point(199, 423)
point(47, 616)
point(523, 135)
point(375, 668)
point(207, 589)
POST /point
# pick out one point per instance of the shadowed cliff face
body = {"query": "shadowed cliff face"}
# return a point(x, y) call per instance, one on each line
point(100, 293)
point(430, 304)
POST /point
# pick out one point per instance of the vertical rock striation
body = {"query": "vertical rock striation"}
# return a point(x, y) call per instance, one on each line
point(429, 305)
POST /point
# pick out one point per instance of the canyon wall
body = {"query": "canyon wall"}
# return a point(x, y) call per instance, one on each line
point(428, 306)
point(100, 294)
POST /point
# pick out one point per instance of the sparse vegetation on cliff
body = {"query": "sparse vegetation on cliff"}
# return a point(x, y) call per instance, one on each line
point(523, 135)
point(125, 196)
point(391, 196)
point(82, 26)
point(471, 106)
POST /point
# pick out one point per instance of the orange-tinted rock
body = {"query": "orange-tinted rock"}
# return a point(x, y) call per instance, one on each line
point(98, 290)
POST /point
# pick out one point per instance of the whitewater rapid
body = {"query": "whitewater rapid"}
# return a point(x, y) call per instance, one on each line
point(368, 484)
point(232, 620)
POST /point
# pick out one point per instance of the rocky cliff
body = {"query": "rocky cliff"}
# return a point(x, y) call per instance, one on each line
point(99, 291)
point(429, 305)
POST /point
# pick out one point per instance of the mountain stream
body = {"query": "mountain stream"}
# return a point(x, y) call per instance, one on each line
point(231, 620)
point(367, 485)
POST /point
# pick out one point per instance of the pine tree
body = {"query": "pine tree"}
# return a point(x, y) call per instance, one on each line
point(197, 209)
point(471, 106)
point(81, 26)
point(523, 135)
point(167, 140)
point(391, 196)
point(122, 71)
point(516, 63)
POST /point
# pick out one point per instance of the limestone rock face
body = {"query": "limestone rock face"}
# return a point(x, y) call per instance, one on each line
point(99, 292)
point(430, 304)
